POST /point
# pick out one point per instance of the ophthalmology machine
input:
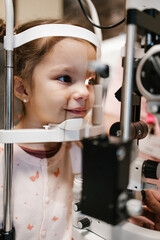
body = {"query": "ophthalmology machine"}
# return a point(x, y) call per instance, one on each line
point(112, 171)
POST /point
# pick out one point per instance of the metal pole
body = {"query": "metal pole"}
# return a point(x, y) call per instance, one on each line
point(7, 231)
point(8, 149)
point(128, 84)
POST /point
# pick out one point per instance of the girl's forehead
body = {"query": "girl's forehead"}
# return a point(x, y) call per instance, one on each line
point(70, 55)
point(73, 48)
point(75, 45)
point(71, 51)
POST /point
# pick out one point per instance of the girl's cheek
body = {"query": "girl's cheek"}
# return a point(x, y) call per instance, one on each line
point(67, 95)
point(63, 93)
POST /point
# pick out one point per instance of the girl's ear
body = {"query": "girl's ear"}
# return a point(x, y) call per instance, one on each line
point(20, 90)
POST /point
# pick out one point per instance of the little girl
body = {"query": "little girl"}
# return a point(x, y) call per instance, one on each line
point(49, 79)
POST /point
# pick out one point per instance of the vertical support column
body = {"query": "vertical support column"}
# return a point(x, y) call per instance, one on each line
point(8, 148)
point(127, 87)
point(97, 107)
point(7, 232)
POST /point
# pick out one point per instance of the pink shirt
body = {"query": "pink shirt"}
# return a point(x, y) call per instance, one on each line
point(42, 193)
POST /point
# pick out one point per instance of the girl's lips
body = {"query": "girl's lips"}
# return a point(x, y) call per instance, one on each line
point(79, 111)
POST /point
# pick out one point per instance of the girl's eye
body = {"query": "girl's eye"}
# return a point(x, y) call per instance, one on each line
point(90, 81)
point(65, 79)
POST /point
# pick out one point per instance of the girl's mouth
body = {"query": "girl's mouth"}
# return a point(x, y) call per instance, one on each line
point(77, 111)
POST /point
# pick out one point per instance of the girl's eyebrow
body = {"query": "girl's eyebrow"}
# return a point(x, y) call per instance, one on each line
point(63, 67)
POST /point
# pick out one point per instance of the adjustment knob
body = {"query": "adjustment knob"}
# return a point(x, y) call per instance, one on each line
point(83, 223)
point(151, 169)
point(77, 207)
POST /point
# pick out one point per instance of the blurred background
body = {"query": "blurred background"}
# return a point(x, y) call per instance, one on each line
point(110, 11)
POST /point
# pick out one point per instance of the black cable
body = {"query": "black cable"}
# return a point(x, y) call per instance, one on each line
point(98, 26)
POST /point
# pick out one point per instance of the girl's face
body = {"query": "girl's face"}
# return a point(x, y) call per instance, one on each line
point(59, 90)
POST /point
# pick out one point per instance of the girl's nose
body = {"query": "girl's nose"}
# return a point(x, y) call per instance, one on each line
point(81, 92)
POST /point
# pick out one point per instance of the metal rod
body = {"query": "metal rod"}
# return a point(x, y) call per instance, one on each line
point(8, 108)
point(7, 215)
point(9, 24)
point(8, 148)
point(128, 84)
point(7, 230)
